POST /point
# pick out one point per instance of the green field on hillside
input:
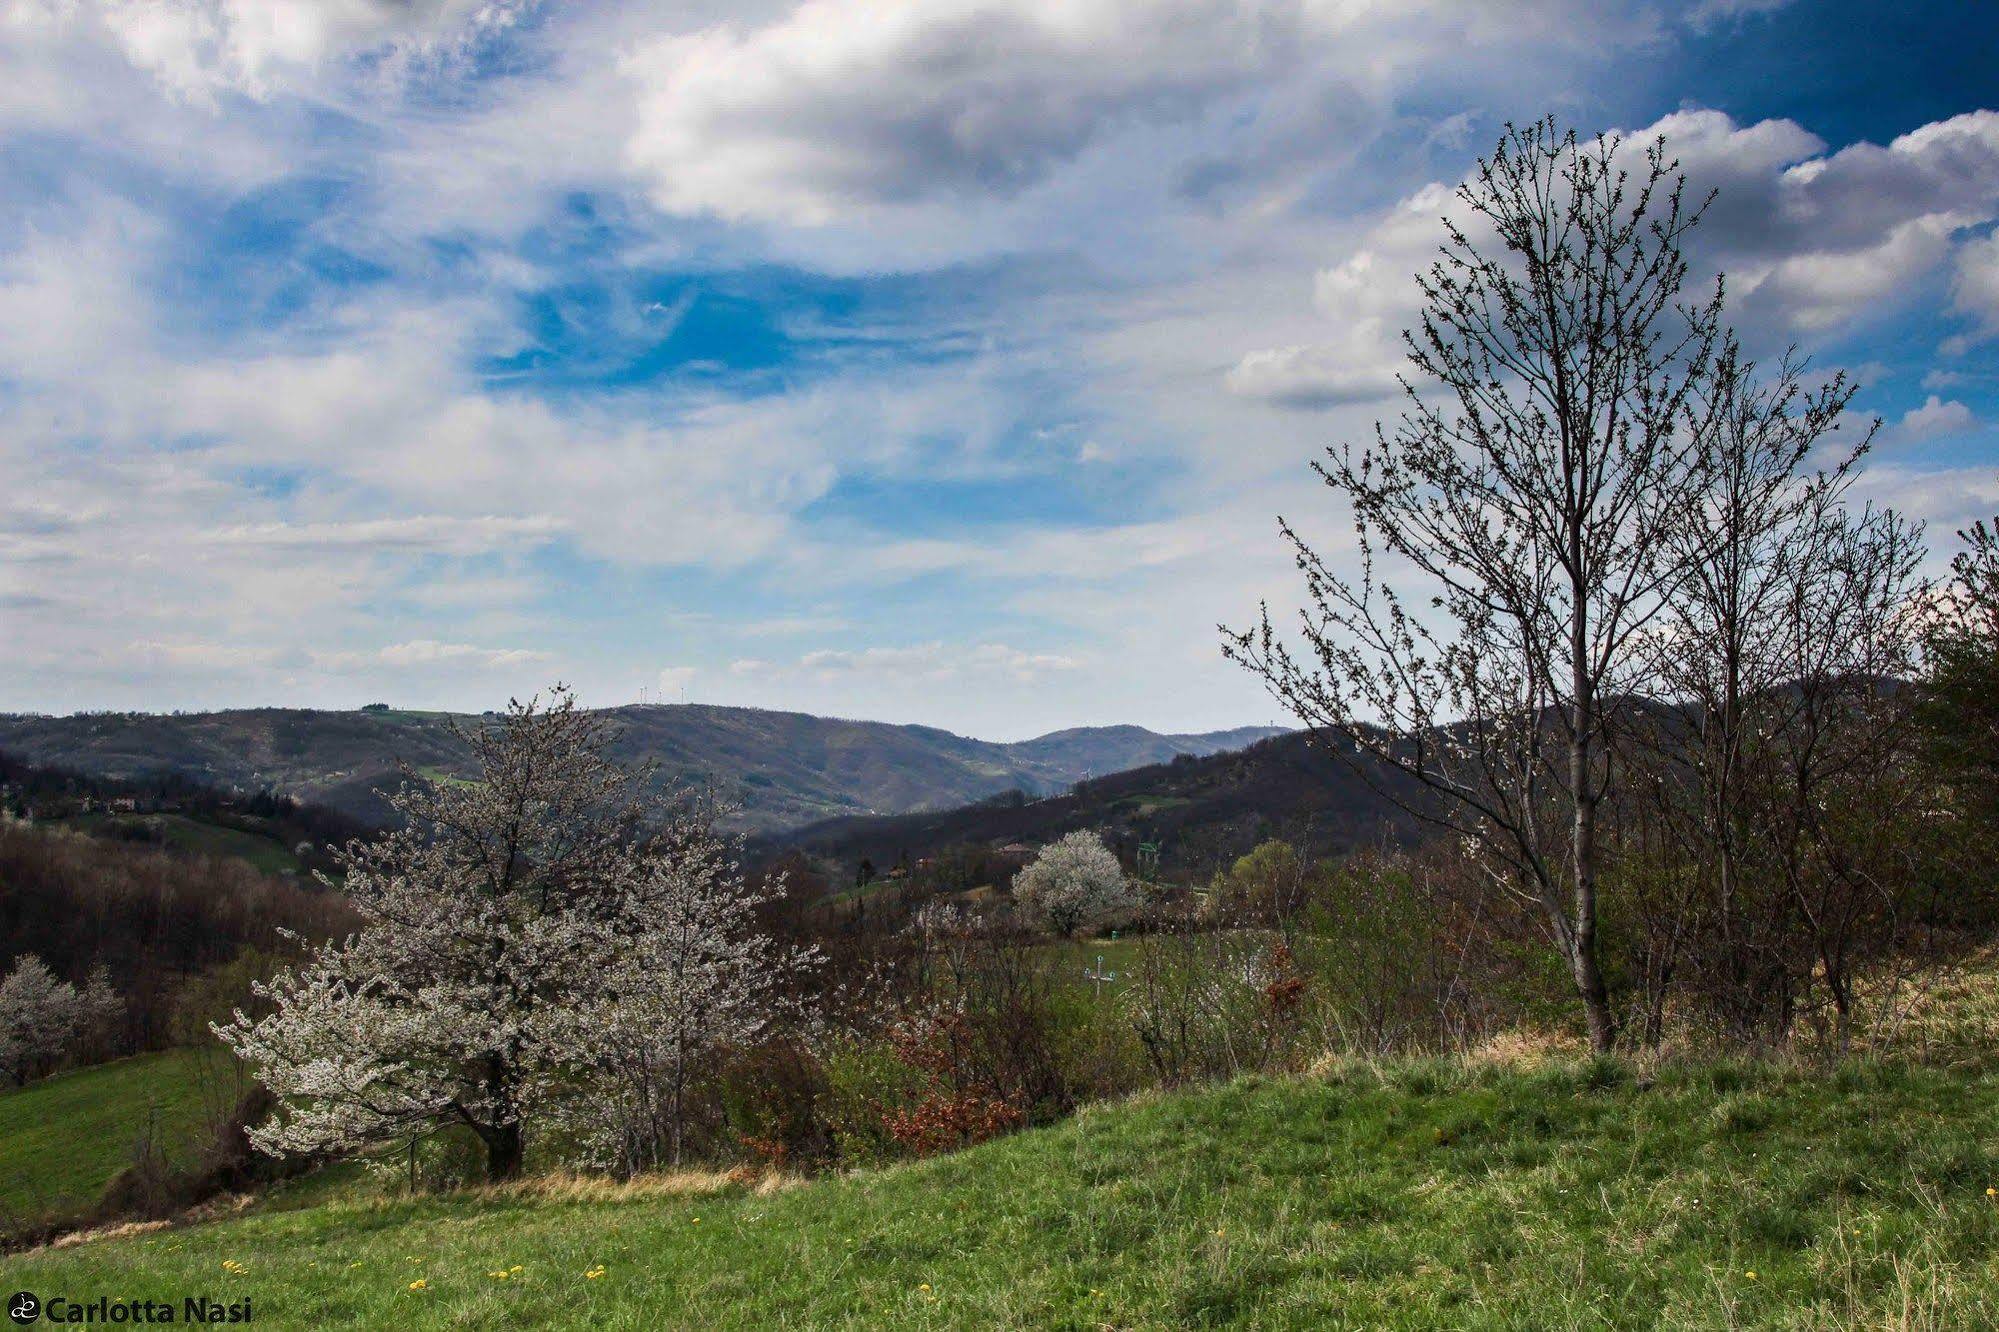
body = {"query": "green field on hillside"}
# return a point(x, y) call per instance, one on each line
point(1416, 1195)
point(64, 1138)
point(263, 851)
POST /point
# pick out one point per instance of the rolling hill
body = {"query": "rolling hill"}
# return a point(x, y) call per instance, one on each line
point(1384, 1194)
point(1202, 812)
point(786, 769)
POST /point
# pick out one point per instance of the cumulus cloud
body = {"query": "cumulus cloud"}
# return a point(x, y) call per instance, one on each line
point(1935, 417)
point(1975, 289)
point(1812, 242)
point(1318, 375)
point(843, 104)
point(201, 48)
point(833, 108)
point(1820, 240)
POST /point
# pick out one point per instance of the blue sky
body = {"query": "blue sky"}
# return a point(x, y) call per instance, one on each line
point(942, 362)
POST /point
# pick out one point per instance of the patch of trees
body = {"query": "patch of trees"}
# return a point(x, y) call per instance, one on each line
point(37, 791)
point(156, 924)
point(1618, 620)
point(45, 1020)
point(1201, 812)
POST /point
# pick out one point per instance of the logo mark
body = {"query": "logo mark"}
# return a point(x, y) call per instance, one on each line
point(23, 1307)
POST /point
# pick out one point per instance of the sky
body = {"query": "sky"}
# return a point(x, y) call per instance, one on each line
point(933, 362)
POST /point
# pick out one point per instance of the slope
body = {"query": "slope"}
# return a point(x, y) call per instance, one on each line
point(1200, 812)
point(785, 769)
point(1410, 1195)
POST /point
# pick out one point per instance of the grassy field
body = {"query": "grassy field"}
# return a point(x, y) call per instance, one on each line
point(64, 1138)
point(263, 851)
point(1416, 1195)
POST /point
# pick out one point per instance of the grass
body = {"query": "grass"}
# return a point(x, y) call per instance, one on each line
point(1419, 1194)
point(262, 851)
point(64, 1138)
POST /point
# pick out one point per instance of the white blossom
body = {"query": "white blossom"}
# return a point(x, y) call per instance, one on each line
point(1074, 883)
point(531, 941)
point(39, 1017)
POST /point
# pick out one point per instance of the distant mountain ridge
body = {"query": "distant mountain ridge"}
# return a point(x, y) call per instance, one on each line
point(786, 769)
point(1200, 813)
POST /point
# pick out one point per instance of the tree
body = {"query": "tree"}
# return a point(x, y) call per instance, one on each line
point(39, 1015)
point(1960, 708)
point(1774, 650)
point(507, 927)
point(1271, 885)
point(1074, 882)
point(1532, 483)
point(700, 979)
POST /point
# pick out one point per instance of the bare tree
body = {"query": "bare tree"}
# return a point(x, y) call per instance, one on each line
point(1533, 483)
point(1783, 758)
point(1744, 647)
point(1961, 694)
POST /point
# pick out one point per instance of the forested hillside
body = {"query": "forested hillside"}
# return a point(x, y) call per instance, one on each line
point(784, 769)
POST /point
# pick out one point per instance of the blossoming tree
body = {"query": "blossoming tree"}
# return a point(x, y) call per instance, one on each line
point(525, 934)
point(40, 1013)
point(1074, 882)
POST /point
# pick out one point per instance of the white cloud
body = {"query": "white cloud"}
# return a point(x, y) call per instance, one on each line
point(1320, 375)
point(1811, 243)
point(838, 109)
point(203, 656)
point(423, 532)
point(937, 661)
point(844, 104)
point(200, 48)
point(1935, 417)
point(425, 652)
point(1975, 289)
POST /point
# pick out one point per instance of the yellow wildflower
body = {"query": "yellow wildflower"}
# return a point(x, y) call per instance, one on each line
point(419, 1284)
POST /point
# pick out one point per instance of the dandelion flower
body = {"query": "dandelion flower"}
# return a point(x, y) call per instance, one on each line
point(924, 1286)
point(1750, 1275)
point(419, 1284)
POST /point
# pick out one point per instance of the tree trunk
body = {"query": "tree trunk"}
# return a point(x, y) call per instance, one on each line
point(1582, 948)
point(503, 1151)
